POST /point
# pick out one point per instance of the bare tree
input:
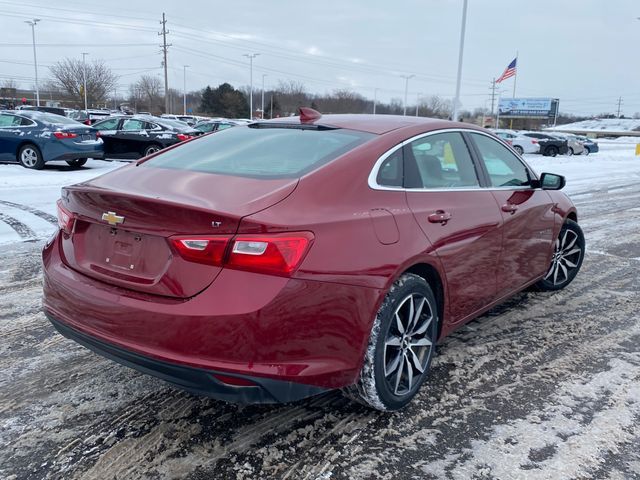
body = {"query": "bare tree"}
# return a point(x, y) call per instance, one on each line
point(148, 92)
point(9, 83)
point(68, 75)
point(291, 95)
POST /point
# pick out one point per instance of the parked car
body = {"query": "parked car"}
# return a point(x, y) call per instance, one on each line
point(550, 145)
point(89, 117)
point(33, 138)
point(520, 143)
point(55, 110)
point(278, 260)
point(131, 137)
point(575, 145)
point(590, 146)
point(216, 125)
point(188, 119)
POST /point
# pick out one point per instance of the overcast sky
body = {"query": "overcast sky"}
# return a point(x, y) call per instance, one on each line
point(584, 52)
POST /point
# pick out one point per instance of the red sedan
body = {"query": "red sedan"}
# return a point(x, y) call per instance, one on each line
point(277, 260)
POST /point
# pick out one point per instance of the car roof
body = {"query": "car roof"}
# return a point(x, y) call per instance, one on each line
point(377, 124)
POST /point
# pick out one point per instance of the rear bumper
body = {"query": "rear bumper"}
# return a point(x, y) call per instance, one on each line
point(69, 150)
point(194, 380)
point(299, 332)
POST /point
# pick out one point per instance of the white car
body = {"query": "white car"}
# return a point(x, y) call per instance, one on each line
point(520, 143)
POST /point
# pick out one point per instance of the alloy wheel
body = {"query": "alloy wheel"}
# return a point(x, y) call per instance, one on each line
point(29, 157)
point(566, 258)
point(407, 346)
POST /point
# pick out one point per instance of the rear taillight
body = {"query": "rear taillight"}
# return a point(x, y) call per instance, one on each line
point(182, 137)
point(276, 254)
point(62, 135)
point(87, 122)
point(97, 134)
point(534, 141)
point(207, 250)
point(65, 219)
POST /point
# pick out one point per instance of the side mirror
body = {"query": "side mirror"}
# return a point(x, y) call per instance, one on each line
point(551, 181)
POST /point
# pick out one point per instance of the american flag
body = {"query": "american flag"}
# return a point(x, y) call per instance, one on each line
point(510, 71)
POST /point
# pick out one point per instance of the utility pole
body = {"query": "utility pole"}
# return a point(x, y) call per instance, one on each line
point(271, 111)
point(418, 102)
point(184, 89)
point(165, 46)
point(251, 56)
point(375, 99)
point(84, 78)
point(406, 90)
point(456, 101)
point(619, 105)
point(35, 60)
point(262, 100)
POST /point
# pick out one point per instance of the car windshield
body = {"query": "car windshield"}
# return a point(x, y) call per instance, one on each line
point(261, 152)
point(167, 122)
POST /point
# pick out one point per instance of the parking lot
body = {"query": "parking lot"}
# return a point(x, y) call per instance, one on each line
point(544, 386)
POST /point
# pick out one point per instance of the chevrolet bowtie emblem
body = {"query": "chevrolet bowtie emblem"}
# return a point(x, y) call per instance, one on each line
point(112, 219)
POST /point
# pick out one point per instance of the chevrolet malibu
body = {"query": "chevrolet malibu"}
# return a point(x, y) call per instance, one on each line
point(281, 259)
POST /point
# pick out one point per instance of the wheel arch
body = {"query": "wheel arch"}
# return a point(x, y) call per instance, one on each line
point(27, 142)
point(431, 275)
point(572, 215)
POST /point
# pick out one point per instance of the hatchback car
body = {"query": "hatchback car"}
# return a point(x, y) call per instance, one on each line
point(33, 138)
point(520, 143)
point(278, 260)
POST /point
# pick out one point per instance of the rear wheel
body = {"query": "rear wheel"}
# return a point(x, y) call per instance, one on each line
point(551, 151)
point(29, 156)
point(77, 162)
point(400, 348)
point(570, 152)
point(568, 253)
point(587, 151)
point(518, 149)
point(153, 148)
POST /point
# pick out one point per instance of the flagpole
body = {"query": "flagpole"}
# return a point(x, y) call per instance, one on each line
point(515, 79)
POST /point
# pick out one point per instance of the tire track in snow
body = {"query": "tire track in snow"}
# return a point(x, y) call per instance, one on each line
point(20, 228)
point(44, 215)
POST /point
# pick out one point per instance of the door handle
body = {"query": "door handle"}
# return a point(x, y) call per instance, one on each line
point(510, 208)
point(439, 217)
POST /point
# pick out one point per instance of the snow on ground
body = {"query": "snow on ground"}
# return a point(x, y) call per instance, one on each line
point(28, 197)
point(602, 125)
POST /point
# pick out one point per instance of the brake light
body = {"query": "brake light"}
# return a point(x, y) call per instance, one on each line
point(62, 135)
point(182, 137)
point(278, 254)
point(98, 134)
point(65, 218)
point(87, 122)
point(534, 141)
point(207, 250)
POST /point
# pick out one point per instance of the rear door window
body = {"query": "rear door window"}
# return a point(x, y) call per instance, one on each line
point(132, 124)
point(261, 152)
point(111, 124)
point(9, 120)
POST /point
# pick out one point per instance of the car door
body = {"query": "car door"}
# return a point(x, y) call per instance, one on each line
point(108, 130)
point(132, 137)
point(527, 214)
point(11, 133)
point(458, 217)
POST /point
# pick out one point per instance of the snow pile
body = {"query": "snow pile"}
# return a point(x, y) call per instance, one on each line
point(601, 125)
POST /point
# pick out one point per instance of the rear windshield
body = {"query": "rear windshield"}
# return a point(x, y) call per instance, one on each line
point(261, 152)
point(55, 119)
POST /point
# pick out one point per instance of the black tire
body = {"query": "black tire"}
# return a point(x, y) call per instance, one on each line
point(77, 162)
point(570, 152)
point(551, 151)
point(568, 253)
point(586, 151)
point(29, 156)
point(153, 148)
point(518, 149)
point(404, 347)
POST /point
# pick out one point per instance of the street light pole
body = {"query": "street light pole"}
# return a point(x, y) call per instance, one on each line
point(35, 60)
point(375, 99)
point(251, 56)
point(418, 102)
point(456, 102)
point(406, 91)
point(84, 79)
point(262, 101)
point(184, 89)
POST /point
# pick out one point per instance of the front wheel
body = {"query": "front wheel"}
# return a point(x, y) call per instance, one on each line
point(400, 348)
point(551, 151)
point(568, 253)
point(77, 162)
point(586, 151)
point(518, 149)
point(152, 149)
point(570, 152)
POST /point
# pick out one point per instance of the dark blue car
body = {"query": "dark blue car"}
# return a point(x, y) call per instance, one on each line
point(33, 138)
point(589, 145)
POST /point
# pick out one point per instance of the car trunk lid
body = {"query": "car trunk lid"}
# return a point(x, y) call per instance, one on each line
point(124, 220)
